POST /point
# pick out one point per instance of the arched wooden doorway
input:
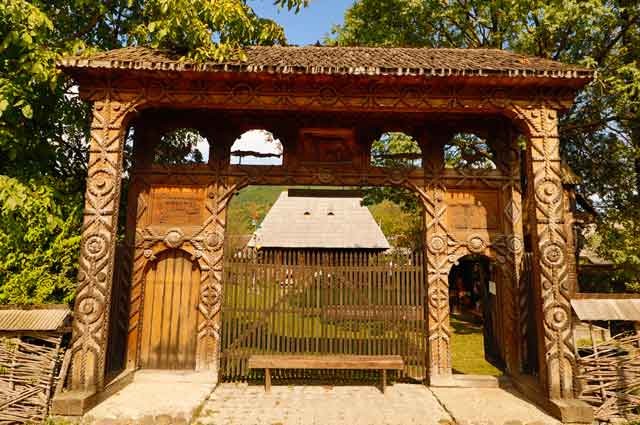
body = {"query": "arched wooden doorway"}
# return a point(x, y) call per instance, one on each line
point(169, 315)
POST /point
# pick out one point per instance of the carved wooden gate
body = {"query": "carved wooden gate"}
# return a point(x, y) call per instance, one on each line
point(168, 339)
point(322, 303)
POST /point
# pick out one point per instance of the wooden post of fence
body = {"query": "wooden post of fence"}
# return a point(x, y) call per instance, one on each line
point(603, 393)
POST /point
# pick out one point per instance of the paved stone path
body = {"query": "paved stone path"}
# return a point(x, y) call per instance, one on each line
point(179, 398)
point(490, 406)
point(154, 398)
point(403, 404)
point(241, 404)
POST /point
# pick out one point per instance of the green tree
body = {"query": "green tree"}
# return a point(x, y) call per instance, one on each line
point(402, 227)
point(601, 134)
point(394, 149)
point(44, 125)
point(39, 241)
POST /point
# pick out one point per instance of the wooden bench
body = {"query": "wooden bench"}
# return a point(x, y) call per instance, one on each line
point(276, 361)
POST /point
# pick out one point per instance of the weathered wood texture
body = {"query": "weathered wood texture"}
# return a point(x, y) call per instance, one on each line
point(119, 312)
point(27, 378)
point(381, 363)
point(609, 377)
point(170, 313)
point(326, 304)
point(97, 253)
point(552, 247)
point(325, 362)
point(188, 219)
point(370, 104)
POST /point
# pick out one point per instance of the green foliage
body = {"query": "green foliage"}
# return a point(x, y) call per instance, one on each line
point(382, 155)
point(44, 126)
point(600, 135)
point(621, 243)
point(467, 150)
point(402, 227)
point(189, 26)
point(39, 242)
point(179, 147)
point(249, 207)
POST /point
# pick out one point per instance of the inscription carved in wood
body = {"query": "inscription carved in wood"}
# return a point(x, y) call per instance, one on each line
point(177, 206)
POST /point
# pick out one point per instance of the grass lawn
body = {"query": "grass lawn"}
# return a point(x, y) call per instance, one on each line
point(243, 306)
point(467, 348)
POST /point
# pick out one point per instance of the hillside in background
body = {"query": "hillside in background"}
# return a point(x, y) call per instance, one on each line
point(249, 206)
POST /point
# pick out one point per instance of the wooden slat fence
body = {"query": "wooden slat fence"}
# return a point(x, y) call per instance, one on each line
point(309, 302)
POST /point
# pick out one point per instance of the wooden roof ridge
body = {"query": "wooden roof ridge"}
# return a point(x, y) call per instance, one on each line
point(339, 60)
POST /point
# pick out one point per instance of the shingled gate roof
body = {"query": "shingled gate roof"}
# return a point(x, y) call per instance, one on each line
point(330, 219)
point(391, 61)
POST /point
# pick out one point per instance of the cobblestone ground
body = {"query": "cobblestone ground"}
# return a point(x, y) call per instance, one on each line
point(241, 404)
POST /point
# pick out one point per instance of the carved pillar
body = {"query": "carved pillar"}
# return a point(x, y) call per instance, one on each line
point(437, 260)
point(510, 258)
point(219, 193)
point(96, 264)
point(551, 248)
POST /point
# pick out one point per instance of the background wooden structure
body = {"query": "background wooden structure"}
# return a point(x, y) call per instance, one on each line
point(327, 106)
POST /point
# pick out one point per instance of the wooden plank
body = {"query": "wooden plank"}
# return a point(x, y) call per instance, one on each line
point(165, 355)
point(147, 315)
point(181, 331)
point(325, 362)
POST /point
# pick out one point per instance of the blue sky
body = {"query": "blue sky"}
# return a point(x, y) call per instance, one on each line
point(308, 26)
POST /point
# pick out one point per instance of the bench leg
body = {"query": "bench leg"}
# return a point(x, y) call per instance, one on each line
point(384, 379)
point(267, 380)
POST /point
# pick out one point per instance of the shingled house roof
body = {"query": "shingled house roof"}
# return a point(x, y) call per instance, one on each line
point(392, 61)
point(328, 219)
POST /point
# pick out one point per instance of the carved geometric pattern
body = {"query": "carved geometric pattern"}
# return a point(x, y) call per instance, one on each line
point(96, 263)
point(438, 264)
point(298, 94)
point(445, 246)
point(552, 248)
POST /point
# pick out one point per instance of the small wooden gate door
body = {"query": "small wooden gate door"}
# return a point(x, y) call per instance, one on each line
point(169, 321)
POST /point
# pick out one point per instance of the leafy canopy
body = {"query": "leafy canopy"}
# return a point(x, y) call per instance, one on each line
point(39, 241)
point(600, 135)
point(44, 125)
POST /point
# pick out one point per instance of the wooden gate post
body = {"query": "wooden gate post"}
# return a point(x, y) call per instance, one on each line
point(96, 263)
point(551, 267)
point(512, 253)
point(436, 262)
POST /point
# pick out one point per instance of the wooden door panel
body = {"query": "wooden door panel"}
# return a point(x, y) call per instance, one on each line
point(168, 337)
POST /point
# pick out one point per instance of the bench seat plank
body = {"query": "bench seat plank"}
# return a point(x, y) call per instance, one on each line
point(325, 362)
